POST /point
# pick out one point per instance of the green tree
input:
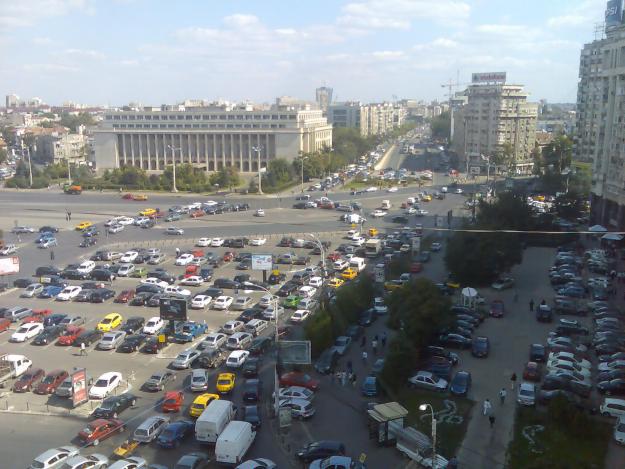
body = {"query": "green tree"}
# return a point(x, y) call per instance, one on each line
point(228, 176)
point(441, 126)
point(72, 122)
point(399, 362)
point(558, 153)
point(3, 155)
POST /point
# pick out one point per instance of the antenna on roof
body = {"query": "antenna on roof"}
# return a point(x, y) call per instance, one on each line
point(599, 31)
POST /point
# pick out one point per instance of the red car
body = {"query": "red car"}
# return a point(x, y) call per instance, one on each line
point(532, 372)
point(197, 213)
point(4, 324)
point(296, 378)
point(52, 381)
point(29, 380)
point(37, 316)
point(125, 296)
point(127, 196)
point(416, 267)
point(70, 335)
point(173, 400)
point(228, 256)
point(99, 430)
point(334, 256)
point(497, 309)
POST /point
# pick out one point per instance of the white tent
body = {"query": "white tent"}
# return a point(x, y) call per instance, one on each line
point(598, 229)
point(612, 237)
point(469, 297)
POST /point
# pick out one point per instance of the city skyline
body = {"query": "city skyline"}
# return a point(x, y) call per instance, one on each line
point(371, 50)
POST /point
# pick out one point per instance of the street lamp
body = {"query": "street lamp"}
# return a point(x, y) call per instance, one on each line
point(302, 161)
point(174, 149)
point(423, 408)
point(258, 150)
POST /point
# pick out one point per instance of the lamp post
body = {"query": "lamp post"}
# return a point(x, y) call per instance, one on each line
point(423, 408)
point(173, 154)
point(302, 161)
point(258, 150)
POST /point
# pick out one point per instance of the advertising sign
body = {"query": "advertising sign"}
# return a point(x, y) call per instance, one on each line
point(489, 77)
point(613, 13)
point(173, 309)
point(79, 387)
point(9, 265)
point(475, 170)
point(379, 273)
point(262, 262)
point(294, 352)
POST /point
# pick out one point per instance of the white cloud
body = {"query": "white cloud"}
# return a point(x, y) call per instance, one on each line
point(388, 54)
point(286, 31)
point(240, 20)
point(502, 29)
point(83, 54)
point(444, 42)
point(42, 41)
point(20, 13)
point(584, 13)
point(49, 67)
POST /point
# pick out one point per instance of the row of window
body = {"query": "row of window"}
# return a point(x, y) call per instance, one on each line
point(205, 117)
point(199, 126)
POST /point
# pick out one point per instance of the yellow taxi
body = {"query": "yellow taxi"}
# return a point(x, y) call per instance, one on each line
point(148, 212)
point(393, 285)
point(373, 232)
point(83, 225)
point(225, 382)
point(349, 274)
point(109, 322)
point(201, 402)
point(427, 198)
point(336, 282)
point(140, 197)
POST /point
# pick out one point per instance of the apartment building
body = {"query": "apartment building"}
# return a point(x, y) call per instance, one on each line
point(370, 119)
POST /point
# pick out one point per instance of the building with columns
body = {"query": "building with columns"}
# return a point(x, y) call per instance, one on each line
point(208, 137)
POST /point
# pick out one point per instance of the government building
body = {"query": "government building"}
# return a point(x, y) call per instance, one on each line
point(210, 137)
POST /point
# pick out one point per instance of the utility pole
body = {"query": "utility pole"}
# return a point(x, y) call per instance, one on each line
point(258, 150)
point(30, 167)
point(173, 154)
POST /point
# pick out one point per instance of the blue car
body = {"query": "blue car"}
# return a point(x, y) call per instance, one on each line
point(461, 383)
point(174, 433)
point(369, 386)
point(190, 331)
point(53, 319)
point(50, 291)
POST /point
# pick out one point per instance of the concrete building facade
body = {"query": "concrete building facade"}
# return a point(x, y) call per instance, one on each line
point(370, 119)
point(55, 148)
point(210, 138)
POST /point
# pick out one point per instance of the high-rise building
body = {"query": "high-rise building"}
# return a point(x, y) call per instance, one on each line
point(12, 100)
point(600, 127)
point(324, 97)
point(495, 114)
point(370, 119)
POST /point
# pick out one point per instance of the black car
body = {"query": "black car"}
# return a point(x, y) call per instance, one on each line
point(102, 275)
point(570, 330)
point(321, 450)
point(132, 343)
point(242, 278)
point(400, 219)
point(153, 345)
point(22, 282)
point(48, 229)
point(454, 340)
point(155, 300)
point(252, 389)
point(148, 289)
point(366, 318)
point(213, 292)
point(48, 335)
point(88, 242)
point(163, 275)
point(206, 274)
point(287, 289)
point(538, 353)
point(226, 283)
point(480, 347)
point(260, 345)
point(53, 319)
point(251, 414)
point(133, 325)
point(100, 295)
point(615, 387)
point(210, 358)
point(251, 367)
point(433, 351)
point(610, 375)
point(73, 274)
point(327, 361)
point(141, 299)
point(46, 270)
point(249, 314)
point(88, 337)
point(112, 406)
point(84, 296)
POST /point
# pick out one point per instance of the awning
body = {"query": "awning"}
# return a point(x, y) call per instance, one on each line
point(469, 292)
point(387, 412)
point(598, 229)
point(612, 237)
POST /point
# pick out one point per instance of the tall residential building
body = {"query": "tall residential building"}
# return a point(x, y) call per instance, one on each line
point(495, 114)
point(370, 119)
point(600, 126)
point(12, 100)
point(209, 138)
point(56, 147)
point(324, 97)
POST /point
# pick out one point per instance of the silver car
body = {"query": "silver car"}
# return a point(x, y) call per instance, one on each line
point(93, 461)
point(111, 340)
point(54, 458)
point(184, 359)
point(32, 290)
point(199, 380)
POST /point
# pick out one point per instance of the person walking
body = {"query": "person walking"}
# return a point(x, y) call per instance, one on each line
point(491, 419)
point(486, 407)
point(363, 341)
point(350, 367)
point(364, 356)
point(83, 350)
point(177, 252)
point(383, 340)
point(354, 378)
point(516, 296)
point(513, 381)
point(532, 305)
point(51, 254)
point(343, 378)
point(374, 346)
point(502, 395)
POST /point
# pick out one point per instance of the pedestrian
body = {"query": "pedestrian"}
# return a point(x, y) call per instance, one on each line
point(375, 337)
point(52, 255)
point(532, 305)
point(486, 407)
point(338, 377)
point(177, 252)
point(363, 341)
point(491, 419)
point(66, 217)
point(19, 239)
point(513, 381)
point(83, 349)
point(364, 356)
point(383, 340)
point(354, 378)
point(502, 395)
point(69, 214)
point(350, 367)
point(343, 378)
point(374, 346)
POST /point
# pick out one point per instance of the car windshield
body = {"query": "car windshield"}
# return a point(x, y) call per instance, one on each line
point(48, 379)
point(101, 383)
point(87, 431)
point(223, 382)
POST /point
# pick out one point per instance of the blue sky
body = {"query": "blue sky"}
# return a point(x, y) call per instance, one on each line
point(158, 51)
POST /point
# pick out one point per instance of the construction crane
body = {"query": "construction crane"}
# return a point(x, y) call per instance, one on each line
point(451, 85)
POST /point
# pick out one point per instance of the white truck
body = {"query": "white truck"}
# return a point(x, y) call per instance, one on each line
point(217, 415)
point(234, 442)
point(13, 366)
point(357, 263)
point(373, 247)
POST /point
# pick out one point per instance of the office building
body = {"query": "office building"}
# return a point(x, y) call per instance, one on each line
point(210, 138)
point(323, 97)
point(599, 136)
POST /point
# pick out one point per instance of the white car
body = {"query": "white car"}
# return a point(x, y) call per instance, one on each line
point(27, 331)
point(427, 380)
point(8, 250)
point(32, 290)
point(570, 366)
point(133, 462)
point(259, 213)
point(258, 241)
point(129, 257)
point(379, 306)
point(222, 302)
point(300, 315)
point(203, 242)
point(378, 213)
point(115, 228)
point(177, 290)
point(192, 281)
point(105, 384)
point(93, 461)
point(392, 189)
point(270, 312)
point(444, 189)
point(125, 221)
point(125, 270)
point(307, 291)
point(296, 392)
point(54, 458)
point(315, 282)
point(184, 259)
point(237, 358)
point(154, 281)
point(217, 242)
point(569, 357)
point(174, 231)
point(459, 191)
point(154, 325)
point(68, 293)
point(358, 241)
point(411, 211)
point(421, 212)
point(267, 300)
point(371, 189)
point(201, 301)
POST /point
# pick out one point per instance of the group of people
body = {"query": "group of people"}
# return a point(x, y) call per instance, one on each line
point(487, 406)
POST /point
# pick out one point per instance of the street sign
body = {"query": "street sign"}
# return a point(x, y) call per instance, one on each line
point(379, 273)
point(79, 387)
point(262, 262)
point(173, 309)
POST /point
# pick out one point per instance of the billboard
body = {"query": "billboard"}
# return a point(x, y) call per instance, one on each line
point(9, 265)
point(489, 77)
point(262, 261)
point(294, 352)
point(173, 309)
point(613, 13)
point(79, 387)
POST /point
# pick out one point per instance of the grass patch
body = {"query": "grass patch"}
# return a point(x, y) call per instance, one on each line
point(450, 428)
point(579, 445)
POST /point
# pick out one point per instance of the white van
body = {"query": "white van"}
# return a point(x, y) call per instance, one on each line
point(357, 263)
point(386, 205)
point(234, 442)
point(213, 420)
point(150, 429)
point(307, 303)
point(239, 340)
point(86, 267)
point(256, 326)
